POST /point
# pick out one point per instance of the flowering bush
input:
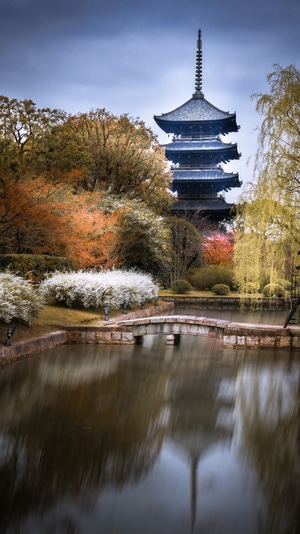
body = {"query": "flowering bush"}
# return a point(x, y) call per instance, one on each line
point(18, 299)
point(98, 289)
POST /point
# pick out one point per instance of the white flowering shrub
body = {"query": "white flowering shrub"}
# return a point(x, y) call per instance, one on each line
point(98, 289)
point(19, 301)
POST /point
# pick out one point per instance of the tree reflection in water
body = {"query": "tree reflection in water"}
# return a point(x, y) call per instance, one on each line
point(65, 435)
point(86, 423)
point(268, 403)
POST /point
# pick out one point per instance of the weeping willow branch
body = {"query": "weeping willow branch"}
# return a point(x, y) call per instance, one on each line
point(268, 218)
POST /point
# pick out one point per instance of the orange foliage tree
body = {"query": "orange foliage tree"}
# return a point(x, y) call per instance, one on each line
point(218, 249)
point(56, 169)
point(58, 222)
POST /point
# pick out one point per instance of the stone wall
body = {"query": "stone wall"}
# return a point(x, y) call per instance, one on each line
point(21, 349)
point(228, 303)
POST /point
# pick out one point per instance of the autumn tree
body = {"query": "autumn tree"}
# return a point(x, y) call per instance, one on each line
point(55, 169)
point(24, 166)
point(268, 216)
point(38, 210)
point(218, 249)
point(67, 225)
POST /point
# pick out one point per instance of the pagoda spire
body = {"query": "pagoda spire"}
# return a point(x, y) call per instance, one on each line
point(198, 77)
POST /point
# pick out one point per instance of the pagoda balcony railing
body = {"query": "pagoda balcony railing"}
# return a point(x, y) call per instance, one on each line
point(196, 137)
point(187, 167)
point(201, 196)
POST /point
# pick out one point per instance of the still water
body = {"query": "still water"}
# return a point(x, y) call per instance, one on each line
point(252, 317)
point(151, 439)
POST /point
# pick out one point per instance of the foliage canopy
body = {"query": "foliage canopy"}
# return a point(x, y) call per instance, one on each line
point(55, 170)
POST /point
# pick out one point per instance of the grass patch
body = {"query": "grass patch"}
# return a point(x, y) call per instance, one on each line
point(62, 316)
point(52, 318)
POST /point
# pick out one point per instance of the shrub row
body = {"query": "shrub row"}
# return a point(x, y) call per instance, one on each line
point(206, 277)
point(220, 280)
point(21, 301)
point(34, 266)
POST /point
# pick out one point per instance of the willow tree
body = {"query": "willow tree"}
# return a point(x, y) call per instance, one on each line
point(268, 215)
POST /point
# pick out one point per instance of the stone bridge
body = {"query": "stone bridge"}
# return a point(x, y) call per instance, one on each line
point(232, 334)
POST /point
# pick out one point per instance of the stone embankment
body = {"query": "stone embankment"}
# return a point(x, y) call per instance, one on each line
point(228, 303)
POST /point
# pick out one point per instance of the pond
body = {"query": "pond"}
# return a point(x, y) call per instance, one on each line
point(150, 439)
point(252, 317)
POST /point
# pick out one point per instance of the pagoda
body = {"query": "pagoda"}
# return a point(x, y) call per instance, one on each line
point(197, 152)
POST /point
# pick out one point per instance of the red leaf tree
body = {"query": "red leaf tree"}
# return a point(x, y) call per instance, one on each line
point(218, 249)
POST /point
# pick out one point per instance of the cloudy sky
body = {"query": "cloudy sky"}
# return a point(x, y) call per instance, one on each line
point(138, 57)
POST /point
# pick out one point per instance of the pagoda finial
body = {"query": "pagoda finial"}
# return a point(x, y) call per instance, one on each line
point(198, 78)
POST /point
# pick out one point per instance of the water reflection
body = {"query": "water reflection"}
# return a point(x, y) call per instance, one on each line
point(150, 438)
point(272, 449)
point(274, 317)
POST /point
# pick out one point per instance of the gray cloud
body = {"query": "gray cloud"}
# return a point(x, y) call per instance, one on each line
point(138, 57)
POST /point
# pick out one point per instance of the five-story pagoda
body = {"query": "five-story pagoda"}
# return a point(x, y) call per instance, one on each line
point(197, 152)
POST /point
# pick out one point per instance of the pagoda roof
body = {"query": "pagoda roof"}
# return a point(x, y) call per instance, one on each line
point(210, 143)
point(212, 173)
point(197, 115)
point(196, 109)
point(215, 176)
point(210, 204)
point(202, 151)
point(218, 208)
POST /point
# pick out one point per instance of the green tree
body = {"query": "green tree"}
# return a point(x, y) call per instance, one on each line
point(120, 155)
point(144, 240)
point(268, 216)
point(23, 127)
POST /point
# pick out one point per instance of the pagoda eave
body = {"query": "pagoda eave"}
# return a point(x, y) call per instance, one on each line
point(194, 127)
point(192, 158)
point(218, 209)
point(216, 184)
point(192, 145)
